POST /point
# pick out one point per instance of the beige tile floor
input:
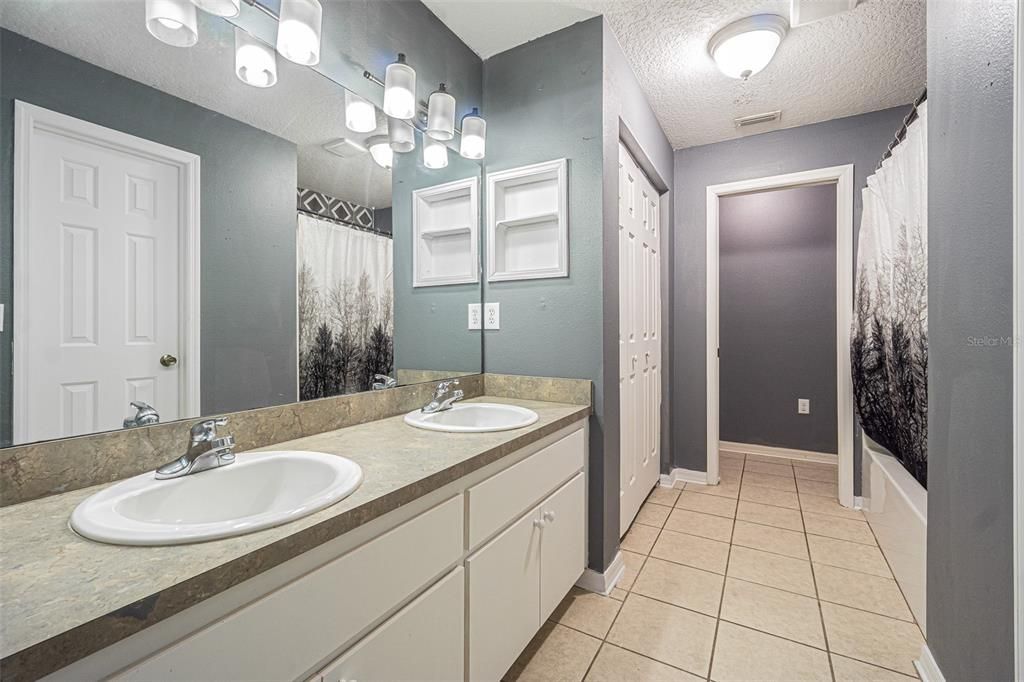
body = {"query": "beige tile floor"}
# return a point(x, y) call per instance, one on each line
point(764, 577)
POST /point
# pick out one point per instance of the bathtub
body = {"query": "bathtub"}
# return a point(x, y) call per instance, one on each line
point(896, 507)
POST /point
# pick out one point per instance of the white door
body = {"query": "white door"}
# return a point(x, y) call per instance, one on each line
point(97, 268)
point(639, 337)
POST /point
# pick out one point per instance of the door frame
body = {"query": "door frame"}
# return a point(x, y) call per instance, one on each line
point(1018, 342)
point(842, 177)
point(29, 118)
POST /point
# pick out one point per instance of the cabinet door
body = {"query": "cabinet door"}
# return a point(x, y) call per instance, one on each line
point(563, 543)
point(424, 641)
point(504, 607)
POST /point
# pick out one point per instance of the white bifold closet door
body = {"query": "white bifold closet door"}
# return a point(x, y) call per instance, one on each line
point(639, 337)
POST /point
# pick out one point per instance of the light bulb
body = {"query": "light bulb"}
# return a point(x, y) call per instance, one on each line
point(400, 90)
point(401, 135)
point(298, 32)
point(221, 8)
point(474, 135)
point(255, 61)
point(435, 153)
point(360, 115)
point(380, 150)
point(441, 115)
point(172, 22)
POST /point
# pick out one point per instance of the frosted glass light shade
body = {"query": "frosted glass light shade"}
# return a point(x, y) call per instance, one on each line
point(435, 153)
point(255, 61)
point(220, 8)
point(401, 135)
point(360, 115)
point(172, 22)
point(298, 33)
point(474, 135)
point(400, 90)
point(380, 150)
point(441, 115)
point(745, 47)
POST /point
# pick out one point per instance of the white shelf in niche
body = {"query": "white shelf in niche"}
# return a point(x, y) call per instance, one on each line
point(445, 233)
point(527, 224)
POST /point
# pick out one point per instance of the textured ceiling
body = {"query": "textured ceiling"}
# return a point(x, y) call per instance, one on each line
point(304, 107)
point(870, 58)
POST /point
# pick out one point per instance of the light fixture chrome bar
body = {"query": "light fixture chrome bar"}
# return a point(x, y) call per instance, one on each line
point(255, 4)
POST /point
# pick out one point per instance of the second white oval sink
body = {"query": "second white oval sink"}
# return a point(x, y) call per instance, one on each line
point(260, 490)
point(473, 418)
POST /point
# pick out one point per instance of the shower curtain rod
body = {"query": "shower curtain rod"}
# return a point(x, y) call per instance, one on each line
point(902, 132)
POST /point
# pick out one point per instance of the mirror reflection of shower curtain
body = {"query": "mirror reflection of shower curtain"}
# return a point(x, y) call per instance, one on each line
point(346, 303)
point(890, 335)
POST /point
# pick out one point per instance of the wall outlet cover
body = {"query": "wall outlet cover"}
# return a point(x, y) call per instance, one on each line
point(475, 316)
point(803, 406)
point(492, 316)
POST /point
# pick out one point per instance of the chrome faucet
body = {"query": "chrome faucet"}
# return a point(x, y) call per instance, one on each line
point(145, 414)
point(382, 381)
point(205, 451)
point(442, 399)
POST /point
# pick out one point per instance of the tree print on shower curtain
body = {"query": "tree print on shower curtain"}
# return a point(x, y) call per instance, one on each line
point(345, 300)
point(890, 336)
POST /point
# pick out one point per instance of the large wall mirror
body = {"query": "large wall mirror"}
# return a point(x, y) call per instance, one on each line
point(174, 237)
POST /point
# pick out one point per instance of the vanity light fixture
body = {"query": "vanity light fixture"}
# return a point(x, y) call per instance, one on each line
point(172, 22)
point(401, 135)
point(745, 47)
point(435, 153)
point(380, 150)
point(298, 34)
point(441, 114)
point(255, 61)
point(360, 115)
point(474, 135)
point(400, 90)
point(220, 8)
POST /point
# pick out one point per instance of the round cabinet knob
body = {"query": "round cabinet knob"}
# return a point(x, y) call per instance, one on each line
point(168, 360)
point(538, 523)
point(549, 516)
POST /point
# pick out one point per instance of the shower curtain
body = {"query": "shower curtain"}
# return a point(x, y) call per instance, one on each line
point(345, 300)
point(890, 335)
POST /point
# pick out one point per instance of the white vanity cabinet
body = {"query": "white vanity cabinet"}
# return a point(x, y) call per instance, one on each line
point(451, 586)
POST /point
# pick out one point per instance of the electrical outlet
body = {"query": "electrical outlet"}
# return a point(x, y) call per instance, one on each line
point(803, 406)
point(475, 316)
point(492, 316)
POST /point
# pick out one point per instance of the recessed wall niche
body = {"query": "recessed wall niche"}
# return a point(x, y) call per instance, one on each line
point(527, 222)
point(445, 233)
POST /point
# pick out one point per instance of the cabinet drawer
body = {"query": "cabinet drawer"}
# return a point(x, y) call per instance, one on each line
point(424, 642)
point(284, 634)
point(495, 502)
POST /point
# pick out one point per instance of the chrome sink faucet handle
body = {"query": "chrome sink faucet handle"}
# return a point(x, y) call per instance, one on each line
point(442, 398)
point(145, 414)
point(206, 450)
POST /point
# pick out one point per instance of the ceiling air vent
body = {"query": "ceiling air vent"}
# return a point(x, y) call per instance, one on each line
point(745, 121)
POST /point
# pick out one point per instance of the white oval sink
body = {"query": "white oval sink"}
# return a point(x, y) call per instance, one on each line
point(260, 490)
point(473, 418)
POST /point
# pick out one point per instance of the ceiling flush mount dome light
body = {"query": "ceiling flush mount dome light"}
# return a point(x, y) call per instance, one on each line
point(172, 22)
point(255, 61)
point(298, 34)
point(745, 47)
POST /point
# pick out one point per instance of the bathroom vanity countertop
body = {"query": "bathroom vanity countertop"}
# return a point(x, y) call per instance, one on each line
point(64, 597)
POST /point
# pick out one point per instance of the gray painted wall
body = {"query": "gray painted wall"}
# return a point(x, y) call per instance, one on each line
point(859, 140)
point(777, 317)
point(247, 207)
point(970, 297)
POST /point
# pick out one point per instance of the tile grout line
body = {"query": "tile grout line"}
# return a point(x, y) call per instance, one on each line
point(721, 596)
point(817, 594)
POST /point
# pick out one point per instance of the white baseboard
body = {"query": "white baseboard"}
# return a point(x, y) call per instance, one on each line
point(603, 583)
point(670, 479)
point(784, 453)
point(927, 668)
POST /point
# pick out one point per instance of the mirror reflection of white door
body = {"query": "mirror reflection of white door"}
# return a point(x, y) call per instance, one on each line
point(106, 277)
point(639, 338)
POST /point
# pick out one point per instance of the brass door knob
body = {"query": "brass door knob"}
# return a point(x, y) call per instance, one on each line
point(168, 360)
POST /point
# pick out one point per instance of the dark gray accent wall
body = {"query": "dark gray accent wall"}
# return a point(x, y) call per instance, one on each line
point(777, 317)
point(859, 140)
point(970, 308)
point(627, 117)
point(247, 218)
